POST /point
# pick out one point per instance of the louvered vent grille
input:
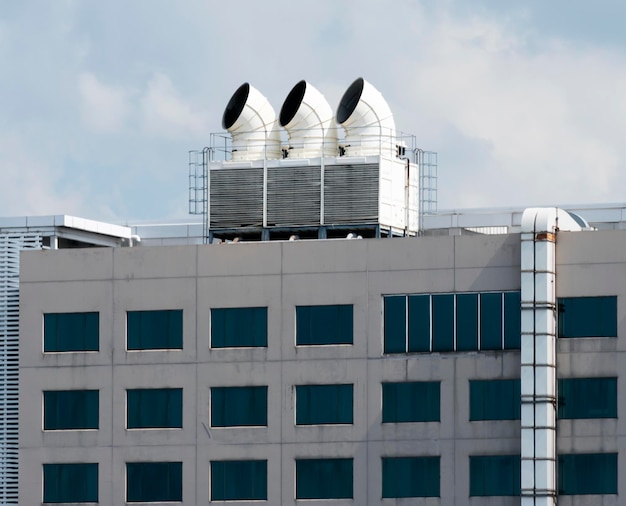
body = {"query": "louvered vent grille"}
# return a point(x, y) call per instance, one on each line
point(351, 193)
point(10, 247)
point(293, 196)
point(236, 198)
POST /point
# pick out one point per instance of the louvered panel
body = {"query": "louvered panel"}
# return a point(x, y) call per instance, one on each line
point(236, 198)
point(10, 247)
point(351, 194)
point(293, 196)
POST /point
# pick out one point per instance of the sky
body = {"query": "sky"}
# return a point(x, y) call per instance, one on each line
point(100, 102)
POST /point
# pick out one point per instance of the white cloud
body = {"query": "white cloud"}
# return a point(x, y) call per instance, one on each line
point(104, 108)
point(166, 114)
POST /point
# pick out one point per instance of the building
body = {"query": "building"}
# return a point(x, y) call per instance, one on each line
point(462, 358)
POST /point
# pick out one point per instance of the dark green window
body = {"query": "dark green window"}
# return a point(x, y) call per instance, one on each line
point(588, 316)
point(70, 409)
point(324, 404)
point(490, 321)
point(512, 320)
point(587, 398)
point(63, 483)
point(71, 332)
point(238, 406)
point(443, 322)
point(155, 330)
point(587, 474)
point(495, 475)
point(154, 481)
point(495, 399)
point(411, 477)
point(239, 327)
point(451, 322)
point(417, 401)
point(467, 318)
point(318, 325)
point(239, 480)
point(151, 408)
point(324, 479)
point(395, 324)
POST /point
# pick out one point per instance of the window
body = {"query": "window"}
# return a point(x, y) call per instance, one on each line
point(587, 473)
point(495, 475)
point(63, 483)
point(319, 325)
point(70, 409)
point(581, 398)
point(155, 330)
point(239, 480)
point(451, 322)
point(588, 316)
point(324, 479)
point(238, 406)
point(417, 401)
point(71, 332)
point(239, 327)
point(495, 399)
point(410, 477)
point(324, 404)
point(154, 408)
point(154, 481)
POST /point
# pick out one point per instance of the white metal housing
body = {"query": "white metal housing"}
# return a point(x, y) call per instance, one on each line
point(309, 121)
point(251, 120)
point(367, 120)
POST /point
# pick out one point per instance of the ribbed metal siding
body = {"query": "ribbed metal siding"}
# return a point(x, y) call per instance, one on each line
point(293, 196)
point(10, 247)
point(351, 194)
point(236, 198)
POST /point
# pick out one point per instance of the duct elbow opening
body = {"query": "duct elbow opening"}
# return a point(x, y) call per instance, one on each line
point(367, 120)
point(308, 119)
point(252, 123)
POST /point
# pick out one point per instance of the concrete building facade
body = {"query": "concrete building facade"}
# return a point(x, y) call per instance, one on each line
point(439, 422)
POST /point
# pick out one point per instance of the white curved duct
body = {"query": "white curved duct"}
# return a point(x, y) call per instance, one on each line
point(251, 121)
point(309, 122)
point(367, 120)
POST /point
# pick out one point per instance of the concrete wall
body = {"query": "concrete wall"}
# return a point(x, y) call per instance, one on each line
point(279, 276)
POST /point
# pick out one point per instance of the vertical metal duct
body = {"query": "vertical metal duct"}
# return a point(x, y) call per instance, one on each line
point(251, 120)
point(367, 120)
point(538, 353)
point(309, 122)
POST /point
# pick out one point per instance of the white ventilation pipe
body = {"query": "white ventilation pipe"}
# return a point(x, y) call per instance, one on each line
point(538, 352)
point(367, 120)
point(251, 121)
point(309, 122)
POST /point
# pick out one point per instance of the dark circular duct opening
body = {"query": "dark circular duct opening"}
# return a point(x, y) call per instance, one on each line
point(349, 101)
point(292, 103)
point(235, 105)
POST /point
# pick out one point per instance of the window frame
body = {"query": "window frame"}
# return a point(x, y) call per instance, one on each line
point(225, 463)
point(232, 388)
point(320, 307)
point(320, 460)
point(176, 465)
point(58, 466)
point(413, 339)
point(423, 460)
point(429, 386)
point(169, 390)
point(342, 389)
point(87, 393)
point(94, 348)
point(141, 313)
point(225, 310)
